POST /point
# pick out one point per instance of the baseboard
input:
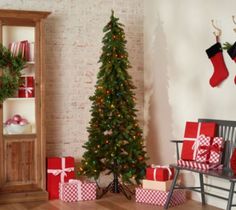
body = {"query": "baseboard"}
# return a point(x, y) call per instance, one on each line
point(23, 197)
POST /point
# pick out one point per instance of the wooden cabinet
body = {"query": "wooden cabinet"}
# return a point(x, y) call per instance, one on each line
point(22, 156)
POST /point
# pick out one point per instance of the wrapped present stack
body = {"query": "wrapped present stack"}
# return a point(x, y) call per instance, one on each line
point(156, 187)
point(61, 182)
point(201, 148)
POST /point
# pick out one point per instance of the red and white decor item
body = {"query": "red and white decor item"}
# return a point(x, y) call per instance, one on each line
point(203, 152)
point(192, 131)
point(159, 173)
point(75, 190)
point(17, 125)
point(196, 165)
point(159, 198)
point(157, 185)
point(26, 90)
point(216, 150)
point(59, 169)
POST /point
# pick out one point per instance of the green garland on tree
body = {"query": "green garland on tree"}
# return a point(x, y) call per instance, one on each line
point(10, 69)
point(115, 142)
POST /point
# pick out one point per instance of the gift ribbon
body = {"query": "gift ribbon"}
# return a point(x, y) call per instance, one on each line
point(159, 166)
point(196, 141)
point(214, 147)
point(79, 187)
point(28, 90)
point(61, 171)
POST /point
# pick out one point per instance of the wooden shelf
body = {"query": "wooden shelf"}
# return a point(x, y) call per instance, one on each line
point(20, 99)
point(20, 136)
point(30, 63)
point(22, 156)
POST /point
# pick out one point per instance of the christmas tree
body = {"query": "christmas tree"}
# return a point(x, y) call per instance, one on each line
point(115, 143)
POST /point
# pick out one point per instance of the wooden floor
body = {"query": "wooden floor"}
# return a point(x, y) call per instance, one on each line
point(108, 202)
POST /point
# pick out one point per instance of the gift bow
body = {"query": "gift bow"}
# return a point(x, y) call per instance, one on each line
point(159, 166)
point(28, 90)
point(214, 147)
point(61, 171)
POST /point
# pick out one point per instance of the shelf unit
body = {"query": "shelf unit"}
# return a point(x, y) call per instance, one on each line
point(22, 156)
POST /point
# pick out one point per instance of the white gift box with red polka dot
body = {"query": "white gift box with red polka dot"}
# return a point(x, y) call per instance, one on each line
point(159, 198)
point(77, 191)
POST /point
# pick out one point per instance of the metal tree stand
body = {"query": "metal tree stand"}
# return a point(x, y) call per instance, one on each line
point(116, 187)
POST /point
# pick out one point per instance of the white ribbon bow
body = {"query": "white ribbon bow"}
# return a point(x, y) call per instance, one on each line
point(61, 171)
point(159, 166)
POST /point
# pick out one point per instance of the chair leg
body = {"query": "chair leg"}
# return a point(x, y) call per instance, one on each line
point(202, 189)
point(231, 193)
point(171, 189)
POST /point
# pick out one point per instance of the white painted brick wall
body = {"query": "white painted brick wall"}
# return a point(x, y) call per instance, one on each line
point(73, 38)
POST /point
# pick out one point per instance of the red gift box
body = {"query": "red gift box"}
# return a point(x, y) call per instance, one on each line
point(159, 198)
point(26, 90)
point(192, 131)
point(75, 190)
point(159, 173)
point(58, 170)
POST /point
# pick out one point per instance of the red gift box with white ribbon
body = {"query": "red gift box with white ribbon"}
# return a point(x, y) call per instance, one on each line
point(59, 170)
point(159, 173)
point(159, 198)
point(26, 90)
point(192, 131)
point(75, 190)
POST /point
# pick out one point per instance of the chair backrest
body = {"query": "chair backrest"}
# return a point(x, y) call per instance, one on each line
point(227, 130)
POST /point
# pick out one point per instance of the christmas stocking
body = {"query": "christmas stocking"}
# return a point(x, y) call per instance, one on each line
point(220, 69)
point(232, 53)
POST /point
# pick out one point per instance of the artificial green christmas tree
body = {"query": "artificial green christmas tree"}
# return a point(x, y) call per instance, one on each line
point(115, 143)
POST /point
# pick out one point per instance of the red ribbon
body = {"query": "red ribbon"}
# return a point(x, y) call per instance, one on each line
point(214, 147)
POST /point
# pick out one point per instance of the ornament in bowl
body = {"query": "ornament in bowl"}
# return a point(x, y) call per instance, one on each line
point(17, 125)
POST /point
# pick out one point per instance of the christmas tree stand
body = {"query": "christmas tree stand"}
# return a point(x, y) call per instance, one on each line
point(116, 187)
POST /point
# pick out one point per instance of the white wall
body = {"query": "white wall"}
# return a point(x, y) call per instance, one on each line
point(177, 71)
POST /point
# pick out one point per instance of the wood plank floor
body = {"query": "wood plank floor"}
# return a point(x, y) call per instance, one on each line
point(108, 202)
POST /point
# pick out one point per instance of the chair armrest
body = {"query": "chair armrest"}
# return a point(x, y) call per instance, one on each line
point(177, 141)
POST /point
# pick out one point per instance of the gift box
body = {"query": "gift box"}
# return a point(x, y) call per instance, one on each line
point(203, 152)
point(157, 185)
point(58, 170)
point(26, 90)
point(75, 190)
point(192, 131)
point(216, 150)
point(159, 173)
point(210, 152)
point(159, 198)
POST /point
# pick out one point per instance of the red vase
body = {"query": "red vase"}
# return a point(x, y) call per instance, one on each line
point(233, 161)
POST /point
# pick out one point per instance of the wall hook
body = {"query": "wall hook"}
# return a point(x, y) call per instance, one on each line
point(218, 32)
point(234, 22)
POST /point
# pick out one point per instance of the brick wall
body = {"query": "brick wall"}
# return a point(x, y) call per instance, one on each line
point(73, 47)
